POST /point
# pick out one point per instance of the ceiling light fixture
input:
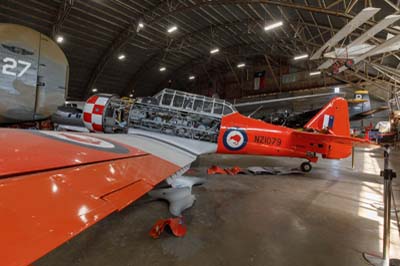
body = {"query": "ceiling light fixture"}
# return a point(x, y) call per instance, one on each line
point(121, 57)
point(131, 95)
point(303, 56)
point(172, 29)
point(315, 73)
point(94, 90)
point(337, 90)
point(241, 65)
point(60, 39)
point(214, 51)
point(192, 77)
point(162, 69)
point(141, 25)
point(273, 26)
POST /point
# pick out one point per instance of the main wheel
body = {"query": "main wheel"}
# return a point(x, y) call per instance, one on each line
point(349, 63)
point(306, 167)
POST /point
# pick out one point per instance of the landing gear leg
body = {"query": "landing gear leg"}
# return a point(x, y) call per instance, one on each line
point(306, 167)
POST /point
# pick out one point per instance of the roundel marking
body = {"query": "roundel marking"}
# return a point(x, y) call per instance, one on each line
point(86, 141)
point(235, 139)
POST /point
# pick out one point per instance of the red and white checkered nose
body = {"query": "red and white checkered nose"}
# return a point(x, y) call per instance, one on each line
point(93, 112)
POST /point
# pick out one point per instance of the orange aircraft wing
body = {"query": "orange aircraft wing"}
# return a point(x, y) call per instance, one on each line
point(55, 185)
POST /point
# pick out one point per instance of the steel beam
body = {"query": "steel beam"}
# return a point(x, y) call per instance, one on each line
point(396, 7)
point(157, 14)
point(63, 12)
point(226, 51)
point(122, 39)
point(272, 73)
point(198, 37)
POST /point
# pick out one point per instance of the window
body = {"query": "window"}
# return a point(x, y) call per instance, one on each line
point(167, 99)
point(227, 110)
point(178, 101)
point(218, 108)
point(198, 105)
point(188, 103)
point(207, 106)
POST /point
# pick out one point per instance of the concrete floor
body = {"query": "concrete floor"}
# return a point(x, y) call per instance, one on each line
point(322, 218)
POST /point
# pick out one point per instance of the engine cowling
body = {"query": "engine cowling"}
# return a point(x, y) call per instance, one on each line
point(94, 112)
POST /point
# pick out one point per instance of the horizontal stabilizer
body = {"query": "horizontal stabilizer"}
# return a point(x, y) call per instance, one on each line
point(333, 139)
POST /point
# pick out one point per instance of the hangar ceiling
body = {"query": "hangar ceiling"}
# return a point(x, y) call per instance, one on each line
point(97, 32)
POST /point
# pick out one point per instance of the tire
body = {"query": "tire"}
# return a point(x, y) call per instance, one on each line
point(349, 63)
point(306, 167)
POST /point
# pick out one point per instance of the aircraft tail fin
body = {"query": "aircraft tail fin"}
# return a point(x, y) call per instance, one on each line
point(333, 118)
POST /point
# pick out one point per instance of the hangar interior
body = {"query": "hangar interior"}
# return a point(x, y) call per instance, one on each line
point(234, 86)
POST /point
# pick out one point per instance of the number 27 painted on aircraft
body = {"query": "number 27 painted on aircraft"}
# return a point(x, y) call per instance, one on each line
point(10, 65)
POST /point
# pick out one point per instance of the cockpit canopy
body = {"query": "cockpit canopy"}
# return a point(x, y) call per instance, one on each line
point(190, 102)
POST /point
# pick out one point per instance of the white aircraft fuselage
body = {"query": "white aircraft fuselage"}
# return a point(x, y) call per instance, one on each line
point(33, 75)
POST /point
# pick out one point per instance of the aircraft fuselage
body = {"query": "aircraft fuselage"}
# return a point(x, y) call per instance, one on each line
point(33, 75)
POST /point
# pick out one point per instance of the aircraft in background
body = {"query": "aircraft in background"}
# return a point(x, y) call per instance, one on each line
point(341, 58)
point(33, 75)
point(68, 118)
point(359, 108)
point(266, 109)
point(251, 108)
